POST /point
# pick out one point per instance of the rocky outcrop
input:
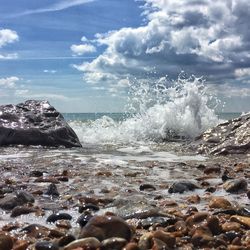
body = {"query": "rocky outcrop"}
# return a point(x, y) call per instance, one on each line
point(231, 137)
point(35, 123)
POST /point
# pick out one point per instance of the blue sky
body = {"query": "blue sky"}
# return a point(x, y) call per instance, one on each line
point(80, 54)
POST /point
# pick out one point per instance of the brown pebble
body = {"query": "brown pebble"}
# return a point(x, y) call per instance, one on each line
point(145, 241)
point(194, 199)
point(131, 246)
point(201, 236)
point(104, 227)
point(231, 226)
point(90, 243)
point(210, 170)
point(113, 243)
point(21, 245)
point(165, 237)
point(219, 202)
point(19, 210)
point(6, 242)
point(213, 224)
point(158, 245)
point(242, 220)
point(235, 186)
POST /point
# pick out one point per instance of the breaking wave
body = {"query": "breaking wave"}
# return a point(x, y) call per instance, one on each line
point(161, 111)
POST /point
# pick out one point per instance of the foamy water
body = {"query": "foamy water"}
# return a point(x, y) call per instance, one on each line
point(163, 111)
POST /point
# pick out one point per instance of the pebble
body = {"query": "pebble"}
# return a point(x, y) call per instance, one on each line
point(131, 246)
point(235, 186)
point(145, 241)
point(147, 187)
point(52, 190)
point(231, 226)
point(65, 240)
point(58, 216)
point(84, 219)
point(219, 202)
point(45, 245)
point(19, 210)
point(182, 186)
point(88, 206)
point(248, 194)
point(89, 243)
point(201, 236)
point(213, 224)
point(114, 243)
point(165, 237)
point(104, 227)
point(25, 197)
point(210, 170)
point(6, 242)
point(242, 220)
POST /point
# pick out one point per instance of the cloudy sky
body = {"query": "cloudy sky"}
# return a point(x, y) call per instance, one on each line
point(81, 54)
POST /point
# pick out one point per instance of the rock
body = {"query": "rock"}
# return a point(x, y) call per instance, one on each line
point(219, 202)
point(65, 240)
point(35, 123)
point(19, 210)
point(145, 241)
point(45, 245)
point(84, 219)
point(243, 220)
point(159, 244)
point(147, 187)
point(113, 244)
point(88, 206)
point(182, 186)
point(6, 242)
point(36, 231)
point(214, 169)
point(58, 216)
point(25, 197)
point(104, 227)
point(165, 237)
point(196, 218)
point(52, 190)
point(131, 246)
point(231, 226)
point(201, 236)
point(231, 137)
point(235, 186)
point(248, 194)
point(21, 245)
point(213, 224)
point(89, 243)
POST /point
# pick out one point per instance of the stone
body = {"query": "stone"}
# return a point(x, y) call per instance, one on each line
point(19, 210)
point(145, 241)
point(65, 240)
point(182, 186)
point(52, 190)
point(248, 194)
point(89, 243)
point(107, 226)
point(45, 245)
point(231, 137)
point(231, 226)
point(219, 202)
point(147, 187)
point(84, 219)
point(6, 242)
point(243, 220)
point(235, 186)
point(201, 236)
point(159, 245)
point(58, 216)
point(165, 237)
point(213, 224)
point(88, 206)
point(36, 231)
point(35, 123)
point(113, 243)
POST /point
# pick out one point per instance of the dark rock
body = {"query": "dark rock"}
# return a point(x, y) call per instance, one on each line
point(219, 202)
point(6, 242)
point(182, 186)
point(58, 216)
point(165, 237)
point(248, 194)
point(235, 186)
point(214, 224)
point(25, 197)
point(65, 240)
point(231, 137)
point(88, 206)
point(84, 219)
point(148, 187)
point(19, 210)
point(104, 227)
point(113, 244)
point(89, 243)
point(45, 245)
point(36, 173)
point(52, 190)
point(36, 231)
point(35, 123)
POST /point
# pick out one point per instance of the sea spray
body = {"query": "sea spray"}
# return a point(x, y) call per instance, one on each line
point(162, 110)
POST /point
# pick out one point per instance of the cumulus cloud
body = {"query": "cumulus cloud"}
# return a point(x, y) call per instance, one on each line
point(9, 82)
point(7, 36)
point(82, 49)
point(241, 72)
point(200, 37)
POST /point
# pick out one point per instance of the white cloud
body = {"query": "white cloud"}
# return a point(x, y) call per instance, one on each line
point(9, 82)
point(200, 37)
point(242, 72)
point(61, 5)
point(50, 71)
point(7, 36)
point(8, 56)
point(82, 49)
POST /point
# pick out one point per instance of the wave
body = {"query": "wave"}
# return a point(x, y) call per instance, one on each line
point(162, 110)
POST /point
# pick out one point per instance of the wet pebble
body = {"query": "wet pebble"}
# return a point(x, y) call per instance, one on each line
point(52, 190)
point(214, 169)
point(114, 243)
point(88, 206)
point(131, 246)
point(235, 186)
point(89, 243)
point(182, 186)
point(6, 242)
point(84, 219)
point(58, 216)
point(219, 202)
point(242, 220)
point(147, 187)
point(65, 240)
point(201, 236)
point(36, 173)
point(165, 237)
point(104, 227)
point(19, 210)
point(45, 245)
point(231, 226)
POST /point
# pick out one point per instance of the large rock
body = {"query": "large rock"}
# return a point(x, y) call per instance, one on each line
point(35, 123)
point(231, 137)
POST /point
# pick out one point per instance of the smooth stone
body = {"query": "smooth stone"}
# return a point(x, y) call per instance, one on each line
point(147, 187)
point(131, 246)
point(21, 245)
point(231, 226)
point(52, 190)
point(235, 186)
point(88, 206)
point(210, 170)
point(165, 237)
point(114, 243)
point(25, 197)
point(242, 220)
point(19, 210)
point(201, 236)
point(145, 241)
point(213, 224)
point(107, 226)
point(35, 123)
point(154, 221)
point(36, 173)
point(182, 186)
point(36, 231)
point(159, 244)
point(90, 243)
point(219, 202)
point(84, 219)
point(196, 218)
point(65, 240)
point(6, 242)
point(45, 245)
point(58, 216)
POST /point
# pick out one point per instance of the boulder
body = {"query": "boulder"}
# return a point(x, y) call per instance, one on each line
point(35, 123)
point(230, 137)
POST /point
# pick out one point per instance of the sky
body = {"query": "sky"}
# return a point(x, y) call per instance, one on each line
point(81, 55)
